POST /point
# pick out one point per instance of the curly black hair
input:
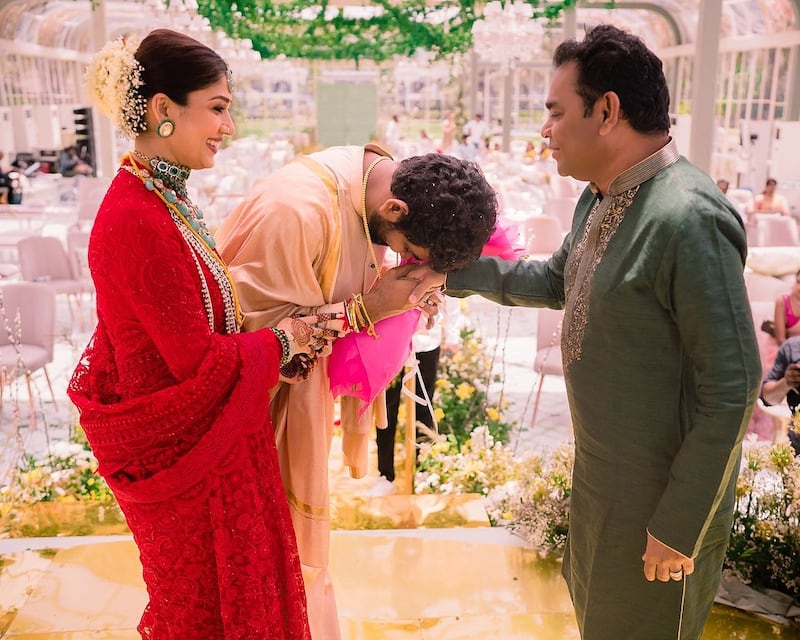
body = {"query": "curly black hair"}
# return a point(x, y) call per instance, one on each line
point(451, 208)
point(610, 59)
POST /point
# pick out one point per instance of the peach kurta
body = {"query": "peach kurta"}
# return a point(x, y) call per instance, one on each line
point(297, 242)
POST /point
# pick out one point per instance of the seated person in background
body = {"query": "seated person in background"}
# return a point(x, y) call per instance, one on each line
point(530, 152)
point(783, 381)
point(770, 202)
point(466, 150)
point(5, 181)
point(787, 313)
point(425, 143)
point(70, 164)
point(544, 151)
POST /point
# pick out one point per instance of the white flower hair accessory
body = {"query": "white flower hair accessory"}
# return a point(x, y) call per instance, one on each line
point(113, 78)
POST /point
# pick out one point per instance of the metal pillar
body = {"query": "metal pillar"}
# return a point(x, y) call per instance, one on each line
point(507, 99)
point(105, 137)
point(704, 84)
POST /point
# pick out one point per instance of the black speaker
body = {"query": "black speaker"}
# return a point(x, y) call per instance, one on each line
point(84, 136)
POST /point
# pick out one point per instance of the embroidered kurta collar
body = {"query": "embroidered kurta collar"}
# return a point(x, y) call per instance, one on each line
point(642, 171)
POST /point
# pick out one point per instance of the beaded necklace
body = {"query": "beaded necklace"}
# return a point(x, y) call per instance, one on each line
point(367, 173)
point(202, 244)
point(170, 179)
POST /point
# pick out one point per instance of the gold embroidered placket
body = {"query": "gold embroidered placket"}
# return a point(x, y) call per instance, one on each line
point(585, 259)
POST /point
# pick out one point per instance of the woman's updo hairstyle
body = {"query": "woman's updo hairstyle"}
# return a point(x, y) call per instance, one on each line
point(175, 64)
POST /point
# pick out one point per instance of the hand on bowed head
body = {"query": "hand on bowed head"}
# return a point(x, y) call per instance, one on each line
point(663, 563)
point(390, 295)
point(310, 337)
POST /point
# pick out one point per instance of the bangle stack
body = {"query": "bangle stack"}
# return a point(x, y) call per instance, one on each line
point(357, 317)
point(280, 334)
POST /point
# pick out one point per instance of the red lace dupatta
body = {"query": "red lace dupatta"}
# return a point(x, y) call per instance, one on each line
point(178, 419)
point(208, 408)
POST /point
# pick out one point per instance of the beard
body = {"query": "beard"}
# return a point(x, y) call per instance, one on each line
point(378, 228)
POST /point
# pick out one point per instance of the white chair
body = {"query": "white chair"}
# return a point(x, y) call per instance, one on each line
point(775, 230)
point(78, 251)
point(562, 208)
point(742, 199)
point(565, 186)
point(781, 416)
point(763, 288)
point(45, 259)
point(548, 350)
point(543, 234)
point(27, 335)
point(91, 192)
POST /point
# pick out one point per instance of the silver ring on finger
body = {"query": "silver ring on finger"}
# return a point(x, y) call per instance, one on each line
point(676, 575)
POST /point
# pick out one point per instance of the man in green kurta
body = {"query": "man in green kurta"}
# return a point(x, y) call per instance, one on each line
point(660, 356)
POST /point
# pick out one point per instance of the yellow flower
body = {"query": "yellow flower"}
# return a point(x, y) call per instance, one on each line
point(464, 391)
point(441, 447)
point(493, 414)
point(90, 482)
point(438, 413)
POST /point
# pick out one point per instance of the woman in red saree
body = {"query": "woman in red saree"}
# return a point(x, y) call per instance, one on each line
point(173, 399)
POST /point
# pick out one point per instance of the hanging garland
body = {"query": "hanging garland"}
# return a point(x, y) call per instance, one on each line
point(321, 31)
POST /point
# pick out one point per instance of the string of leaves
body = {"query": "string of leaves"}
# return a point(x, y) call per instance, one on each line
point(322, 31)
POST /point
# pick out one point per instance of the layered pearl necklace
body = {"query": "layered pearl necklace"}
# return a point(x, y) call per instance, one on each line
point(168, 182)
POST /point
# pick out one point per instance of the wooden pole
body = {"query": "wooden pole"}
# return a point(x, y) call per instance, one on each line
point(409, 384)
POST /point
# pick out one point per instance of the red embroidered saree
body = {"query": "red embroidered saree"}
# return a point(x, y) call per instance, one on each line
point(178, 418)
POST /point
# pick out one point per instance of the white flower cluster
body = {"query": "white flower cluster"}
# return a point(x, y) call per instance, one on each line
point(113, 78)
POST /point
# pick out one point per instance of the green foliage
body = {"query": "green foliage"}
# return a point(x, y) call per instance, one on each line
point(461, 402)
point(764, 548)
point(322, 31)
point(535, 505)
point(476, 466)
point(67, 474)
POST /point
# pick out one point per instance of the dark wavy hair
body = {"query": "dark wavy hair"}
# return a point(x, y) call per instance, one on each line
point(609, 59)
point(176, 65)
point(451, 208)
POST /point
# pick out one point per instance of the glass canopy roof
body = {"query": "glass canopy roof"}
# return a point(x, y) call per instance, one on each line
point(67, 24)
point(670, 22)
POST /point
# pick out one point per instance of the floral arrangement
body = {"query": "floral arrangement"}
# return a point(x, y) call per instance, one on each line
point(764, 549)
point(535, 503)
point(461, 401)
point(113, 78)
point(66, 474)
point(445, 466)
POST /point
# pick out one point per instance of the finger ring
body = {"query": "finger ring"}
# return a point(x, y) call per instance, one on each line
point(302, 332)
point(676, 575)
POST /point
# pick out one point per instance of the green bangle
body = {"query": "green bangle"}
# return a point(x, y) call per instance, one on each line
point(280, 334)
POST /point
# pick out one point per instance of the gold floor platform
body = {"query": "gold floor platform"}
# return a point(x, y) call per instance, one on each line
point(424, 567)
point(446, 584)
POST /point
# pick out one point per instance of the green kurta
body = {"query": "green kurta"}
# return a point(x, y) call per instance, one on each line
point(662, 370)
